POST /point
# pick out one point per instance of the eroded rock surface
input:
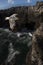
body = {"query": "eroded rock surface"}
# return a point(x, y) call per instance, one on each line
point(35, 57)
point(13, 49)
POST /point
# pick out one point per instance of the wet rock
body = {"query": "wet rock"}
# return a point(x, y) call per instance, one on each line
point(13, 49)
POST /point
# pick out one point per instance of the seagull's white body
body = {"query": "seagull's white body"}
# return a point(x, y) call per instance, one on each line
point(12, 20)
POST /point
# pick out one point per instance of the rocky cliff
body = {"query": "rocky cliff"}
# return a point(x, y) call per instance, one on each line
point(29, 16)
point(13, 49)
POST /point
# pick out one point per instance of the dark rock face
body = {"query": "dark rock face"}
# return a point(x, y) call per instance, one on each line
point(29, 16)
point(13, 49)
point(35, 57)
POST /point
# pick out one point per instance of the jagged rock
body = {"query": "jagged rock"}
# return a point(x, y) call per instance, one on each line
point(13, 49)
point(35, 56)
point(29, 16)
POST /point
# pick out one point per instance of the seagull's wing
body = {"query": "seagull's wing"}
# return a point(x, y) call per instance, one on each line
point(14, 15)
point(7, 18)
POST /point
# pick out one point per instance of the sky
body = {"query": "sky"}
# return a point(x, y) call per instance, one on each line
point(13, 3)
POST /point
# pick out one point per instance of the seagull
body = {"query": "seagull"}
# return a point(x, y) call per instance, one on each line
point(12, 20)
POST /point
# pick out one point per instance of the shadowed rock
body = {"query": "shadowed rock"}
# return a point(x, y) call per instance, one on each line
point(13, 49)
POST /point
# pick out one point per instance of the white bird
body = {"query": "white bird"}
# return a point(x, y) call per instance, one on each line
point(12, 20)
